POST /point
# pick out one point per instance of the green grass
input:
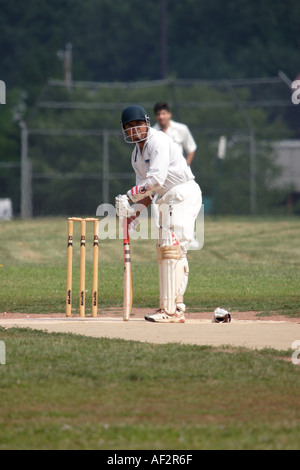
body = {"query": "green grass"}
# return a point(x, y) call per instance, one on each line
point(245, 264)
point(62, 391)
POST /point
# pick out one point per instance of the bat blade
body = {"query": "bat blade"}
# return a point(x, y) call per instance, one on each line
point(127, 294)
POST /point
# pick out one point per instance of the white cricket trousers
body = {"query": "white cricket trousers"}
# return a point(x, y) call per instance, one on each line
point(178, 210)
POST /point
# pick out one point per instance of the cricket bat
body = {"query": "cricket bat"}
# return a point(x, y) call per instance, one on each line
point(127, 295)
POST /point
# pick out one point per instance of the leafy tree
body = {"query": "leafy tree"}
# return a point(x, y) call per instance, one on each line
point(120, 41)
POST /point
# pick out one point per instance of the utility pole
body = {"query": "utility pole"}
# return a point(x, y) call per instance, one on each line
point(164, 38)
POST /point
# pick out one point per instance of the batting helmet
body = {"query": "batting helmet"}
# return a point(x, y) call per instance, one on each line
point(134, 113)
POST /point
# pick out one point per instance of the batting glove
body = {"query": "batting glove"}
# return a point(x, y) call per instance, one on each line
point(123, 207)
point(138, 192)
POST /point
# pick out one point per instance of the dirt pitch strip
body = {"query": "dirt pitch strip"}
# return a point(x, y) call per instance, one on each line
point(246, 329)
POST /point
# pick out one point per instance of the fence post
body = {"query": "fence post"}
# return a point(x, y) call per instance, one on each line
point(105, 169)
point(252, 149)
point(252, 170)
point(26, 175)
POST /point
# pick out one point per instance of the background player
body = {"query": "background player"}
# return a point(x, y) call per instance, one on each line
point(179, 132)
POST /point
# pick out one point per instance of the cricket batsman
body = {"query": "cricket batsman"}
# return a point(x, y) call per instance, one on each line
point(162, 171)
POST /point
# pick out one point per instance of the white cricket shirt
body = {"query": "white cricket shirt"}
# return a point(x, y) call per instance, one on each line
point(161, 165)
point(181, 134)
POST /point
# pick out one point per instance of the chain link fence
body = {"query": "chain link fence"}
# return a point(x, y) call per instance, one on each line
point(74, 158)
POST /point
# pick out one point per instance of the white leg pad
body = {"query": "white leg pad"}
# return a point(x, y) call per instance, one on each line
point(160, 276)
point(182, 275)
point(173, 271)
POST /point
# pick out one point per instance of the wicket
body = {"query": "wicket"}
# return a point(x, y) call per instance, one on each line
point(83, 222)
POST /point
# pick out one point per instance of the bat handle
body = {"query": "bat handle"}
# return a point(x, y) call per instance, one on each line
point(125, 230)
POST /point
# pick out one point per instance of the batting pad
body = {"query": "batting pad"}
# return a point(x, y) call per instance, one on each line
point(173, 271)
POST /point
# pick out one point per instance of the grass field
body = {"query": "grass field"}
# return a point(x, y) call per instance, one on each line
point(245, 264)
point(62, 391)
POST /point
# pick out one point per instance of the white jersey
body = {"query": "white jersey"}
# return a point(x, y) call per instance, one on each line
point(181, 134)
point(161, 165)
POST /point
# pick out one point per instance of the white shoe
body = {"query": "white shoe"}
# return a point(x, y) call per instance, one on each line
point(162, 317)
point(150, 314)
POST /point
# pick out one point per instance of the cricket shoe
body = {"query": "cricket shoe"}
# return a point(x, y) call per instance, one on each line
point(160, 316)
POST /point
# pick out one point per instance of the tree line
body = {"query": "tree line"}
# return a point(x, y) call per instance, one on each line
point(123, 42)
